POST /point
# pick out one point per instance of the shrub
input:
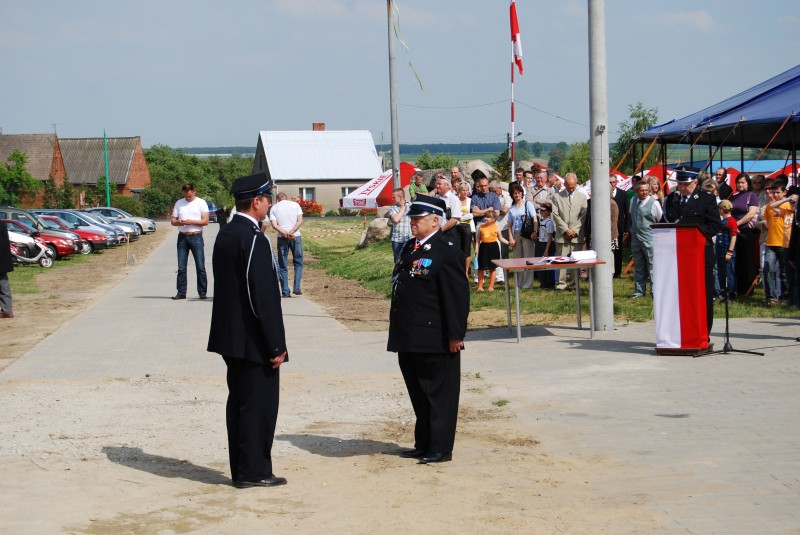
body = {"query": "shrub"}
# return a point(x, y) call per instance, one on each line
point(129, 204)
point(156, 203)
point(310, 208)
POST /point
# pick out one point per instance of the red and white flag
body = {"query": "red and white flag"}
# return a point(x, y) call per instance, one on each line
point(679, 309)
point(516, 41)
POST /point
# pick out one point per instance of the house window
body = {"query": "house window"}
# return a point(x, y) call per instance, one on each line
point(347, 190)
point(308, 194)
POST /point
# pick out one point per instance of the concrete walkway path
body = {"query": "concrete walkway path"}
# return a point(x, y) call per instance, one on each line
point(714, 442)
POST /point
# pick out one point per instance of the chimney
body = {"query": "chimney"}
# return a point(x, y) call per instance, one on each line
point(318, 127)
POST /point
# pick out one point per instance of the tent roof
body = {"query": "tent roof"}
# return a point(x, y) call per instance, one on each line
point(320, 155)
point(750, 118)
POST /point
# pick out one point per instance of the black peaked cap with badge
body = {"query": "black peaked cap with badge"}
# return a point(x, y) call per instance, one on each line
point(247, 187)
point(426, 205)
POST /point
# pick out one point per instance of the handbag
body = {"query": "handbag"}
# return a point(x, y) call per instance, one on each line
point(527, 224)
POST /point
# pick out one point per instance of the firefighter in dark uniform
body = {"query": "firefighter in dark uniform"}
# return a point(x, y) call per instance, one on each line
point(247, 330)
point(691, 205)
point(427, 324)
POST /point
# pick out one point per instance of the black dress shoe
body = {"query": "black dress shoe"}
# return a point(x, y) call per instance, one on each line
point(272, 481)
point(412, 454)
point(203, 296)
point(178, 296)
point(436, 458)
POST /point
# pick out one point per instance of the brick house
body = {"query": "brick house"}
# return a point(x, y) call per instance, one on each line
point(81, 161)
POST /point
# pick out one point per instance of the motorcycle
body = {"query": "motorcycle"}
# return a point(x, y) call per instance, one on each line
point(34, 253)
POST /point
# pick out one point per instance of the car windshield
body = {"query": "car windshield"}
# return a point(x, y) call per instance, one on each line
point(19, 226)
point(96, 218)
point(123, 213)
point(52, 225)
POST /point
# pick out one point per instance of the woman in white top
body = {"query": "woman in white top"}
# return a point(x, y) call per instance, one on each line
point(524, 246)
point(466, 227)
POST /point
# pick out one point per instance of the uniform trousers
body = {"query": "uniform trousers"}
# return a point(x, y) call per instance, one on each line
point(433, 381)
point(251, 413)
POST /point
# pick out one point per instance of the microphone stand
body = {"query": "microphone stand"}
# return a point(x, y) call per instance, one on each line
point(728, 348)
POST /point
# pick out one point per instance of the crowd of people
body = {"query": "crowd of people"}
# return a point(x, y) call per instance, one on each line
point(539, 215)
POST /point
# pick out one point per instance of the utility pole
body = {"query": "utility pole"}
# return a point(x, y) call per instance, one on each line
point(603, 289)
point(393, 101)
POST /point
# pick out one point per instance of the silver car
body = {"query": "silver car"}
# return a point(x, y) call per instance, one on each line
point(145, 224)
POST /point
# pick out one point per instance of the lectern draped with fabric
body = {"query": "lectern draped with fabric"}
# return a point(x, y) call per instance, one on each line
point(679, 289)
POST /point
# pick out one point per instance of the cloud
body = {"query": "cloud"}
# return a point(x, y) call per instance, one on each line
point(697, 20)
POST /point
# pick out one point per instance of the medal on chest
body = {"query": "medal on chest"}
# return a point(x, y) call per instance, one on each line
point(421, 266)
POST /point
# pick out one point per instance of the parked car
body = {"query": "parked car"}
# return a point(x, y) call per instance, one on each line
point(84, 222)
point(145, 224)
point(91, 240)
point(59, 242)
point(131, 229)
point(212, 212)
point(28, 217)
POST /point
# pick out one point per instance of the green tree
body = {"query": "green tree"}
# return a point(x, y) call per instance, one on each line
point(536, 149)
point(640, 119)
point(15, 180)
point(156, 202)
point(50, 194)
point(556, 157)
point(578, 161)
point(65, 195)
point(436, 161)
point(502, 165)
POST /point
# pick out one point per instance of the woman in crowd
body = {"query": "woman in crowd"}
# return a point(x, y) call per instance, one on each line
point(745, 212)
point(525, 245)
point(466, 226)
point(655, 189)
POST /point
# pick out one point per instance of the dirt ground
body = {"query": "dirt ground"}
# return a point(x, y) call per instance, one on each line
point(148, 455)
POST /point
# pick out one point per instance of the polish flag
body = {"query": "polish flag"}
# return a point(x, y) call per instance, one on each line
point(679, 290)
point(516, 41)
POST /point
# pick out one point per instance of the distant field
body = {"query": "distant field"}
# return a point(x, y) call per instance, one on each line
point(457, 156)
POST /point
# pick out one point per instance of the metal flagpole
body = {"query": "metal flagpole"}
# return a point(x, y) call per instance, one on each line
point(393, 102)
point(513, 132)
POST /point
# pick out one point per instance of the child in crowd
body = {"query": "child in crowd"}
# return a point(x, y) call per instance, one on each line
point(726, 252)
point(778, 215)
point(544, 245)
point(487, 248)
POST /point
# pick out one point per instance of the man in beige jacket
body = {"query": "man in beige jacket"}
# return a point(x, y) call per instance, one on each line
point(569, 215)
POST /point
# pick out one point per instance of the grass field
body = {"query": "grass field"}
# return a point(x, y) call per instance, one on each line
point(333, 242)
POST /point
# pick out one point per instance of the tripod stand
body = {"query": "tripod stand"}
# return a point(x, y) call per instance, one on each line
point(728, 348)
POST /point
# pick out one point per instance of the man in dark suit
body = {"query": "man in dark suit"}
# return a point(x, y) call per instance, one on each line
point(427, 325)
point(723, 188)
point(691, 205)
point(623, 222)
point(6, 267)
point(247, 330)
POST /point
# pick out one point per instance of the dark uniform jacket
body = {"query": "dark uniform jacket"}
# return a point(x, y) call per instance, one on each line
point(430, 297)
point(6, 263)
point(700, 209)
point(246, 318)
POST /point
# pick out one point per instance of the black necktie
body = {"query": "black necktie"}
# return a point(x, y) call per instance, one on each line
point(683, 201)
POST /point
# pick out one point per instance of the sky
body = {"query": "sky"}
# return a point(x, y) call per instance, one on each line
point(191, 73)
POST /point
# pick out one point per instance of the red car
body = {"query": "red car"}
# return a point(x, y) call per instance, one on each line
point(92, 241)
point(56, 240)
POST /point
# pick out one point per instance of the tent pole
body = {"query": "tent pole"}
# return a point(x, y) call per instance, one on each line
point(794, 152)
point(710, 157)
point(691, 151)
point(741, 148)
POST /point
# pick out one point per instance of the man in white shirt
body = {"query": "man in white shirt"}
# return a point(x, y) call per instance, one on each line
point(286, 216)
point(190, 214)
point(444, 191)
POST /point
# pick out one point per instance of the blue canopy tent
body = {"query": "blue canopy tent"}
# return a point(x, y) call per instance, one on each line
point(766, 115)
point(750, 119)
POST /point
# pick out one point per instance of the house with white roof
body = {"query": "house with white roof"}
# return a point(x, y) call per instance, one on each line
point(318, 165)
